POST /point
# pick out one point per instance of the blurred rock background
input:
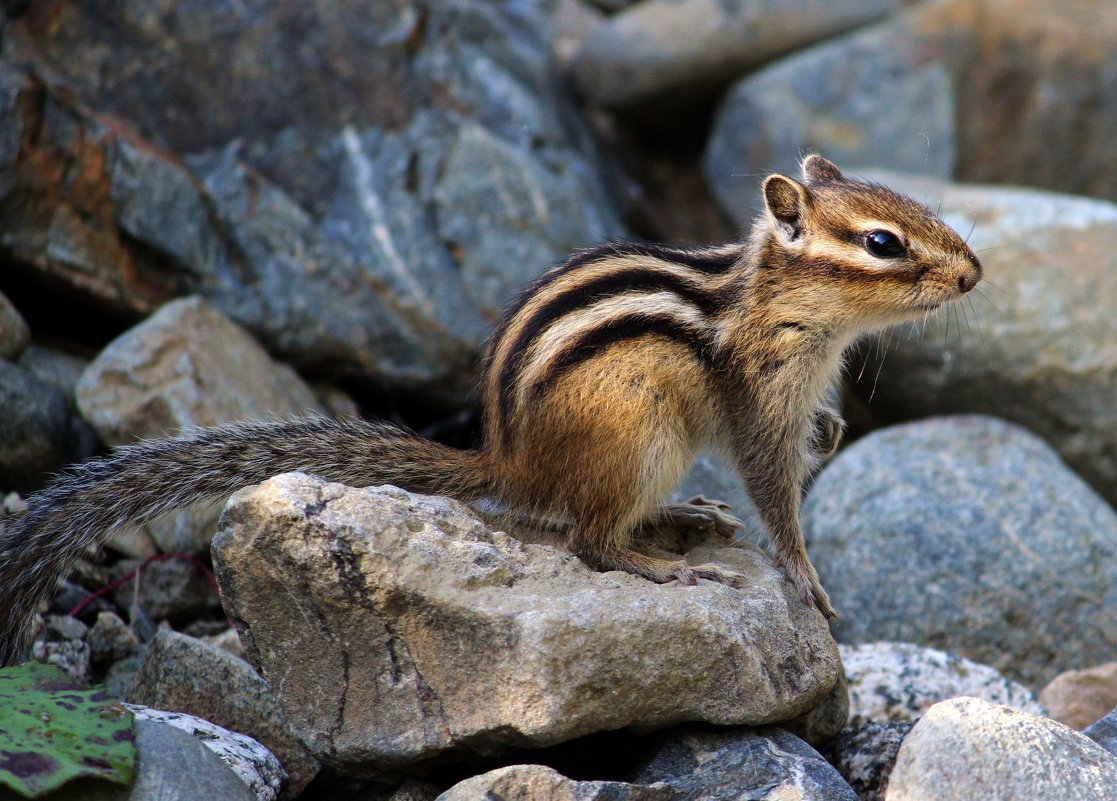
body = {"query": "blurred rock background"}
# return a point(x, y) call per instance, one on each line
point(213, 211)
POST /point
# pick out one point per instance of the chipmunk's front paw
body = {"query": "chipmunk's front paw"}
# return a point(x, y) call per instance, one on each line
point(701, 514)
point(827, 434)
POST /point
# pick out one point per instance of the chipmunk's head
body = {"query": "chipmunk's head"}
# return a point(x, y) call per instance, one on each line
point(864, 254)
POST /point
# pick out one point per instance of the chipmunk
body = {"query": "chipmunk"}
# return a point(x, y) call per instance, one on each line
point(607, 376)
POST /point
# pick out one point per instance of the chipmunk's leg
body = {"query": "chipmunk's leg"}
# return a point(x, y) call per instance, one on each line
point(778, 506)
point(613, 505)
point(774, 479)
point(521, 519)
point(616, 436)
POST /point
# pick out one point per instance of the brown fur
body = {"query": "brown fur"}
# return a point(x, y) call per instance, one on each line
point(605, 379)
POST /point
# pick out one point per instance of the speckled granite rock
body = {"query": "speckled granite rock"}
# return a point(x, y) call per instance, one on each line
point(896, 681)
point(967, 534)
point(864, 755)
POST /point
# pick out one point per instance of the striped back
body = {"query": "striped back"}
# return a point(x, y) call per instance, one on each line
point(596, 299)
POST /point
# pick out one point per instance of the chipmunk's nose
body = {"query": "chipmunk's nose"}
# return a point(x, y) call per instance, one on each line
point(967, 282)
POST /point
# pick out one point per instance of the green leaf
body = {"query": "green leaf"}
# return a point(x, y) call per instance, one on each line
point(52, 730)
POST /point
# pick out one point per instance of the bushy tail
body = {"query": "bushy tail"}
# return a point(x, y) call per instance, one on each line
point(136, 483)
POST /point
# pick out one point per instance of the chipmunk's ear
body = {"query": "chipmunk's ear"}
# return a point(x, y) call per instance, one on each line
point(816, 168)
point(787, 201)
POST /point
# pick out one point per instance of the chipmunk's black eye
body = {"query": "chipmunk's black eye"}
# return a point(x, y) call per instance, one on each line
point(884, 244)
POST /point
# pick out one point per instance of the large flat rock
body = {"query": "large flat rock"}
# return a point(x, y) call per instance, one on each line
point(396, 628)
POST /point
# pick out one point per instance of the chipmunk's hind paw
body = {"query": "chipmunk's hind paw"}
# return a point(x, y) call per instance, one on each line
point(701, 514)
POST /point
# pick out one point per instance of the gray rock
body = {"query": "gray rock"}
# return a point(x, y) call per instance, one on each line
point(967, 748)
point(414, 790)
point(59, 369)
point(62, 643)
point(540, 783)
point(141, 623)
point(1104, 732)
point(182, 674)
point(376, 245)
point(823, 723)
point(253, 763)
point(864, 755)
point(925, 92)
point(873, 98)
point(228, 640)
point(327, 198)
point(134, 543)
point(171, 765)
point(187, 365)
point(111, 639)
point(572, 21)
point(121, 675)
point(64, 627)
point(669, 51)
point(69, 594)
point(14, 332)
point(71, 656)
point(897, 681)
point(439, 611)
point(171, 589)
point(39, 433)
point(692, 765)
point(488, 193)
point(765, 764)
point(1038, 343)
point(967, 534)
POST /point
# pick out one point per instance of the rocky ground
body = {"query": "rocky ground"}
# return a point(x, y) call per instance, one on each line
point(213, 212)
